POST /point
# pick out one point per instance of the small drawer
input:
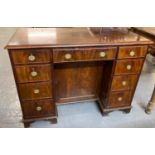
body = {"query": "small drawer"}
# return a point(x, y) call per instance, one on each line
point(119, 99)
point(132, 52)
point(128, 66)
point(124, 82)
point(83, 54)
point(38, 108)
point(35, 90)
point(31, 56)
point(33, 73)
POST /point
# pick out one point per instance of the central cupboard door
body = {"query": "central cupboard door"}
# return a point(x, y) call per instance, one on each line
point(77, 81)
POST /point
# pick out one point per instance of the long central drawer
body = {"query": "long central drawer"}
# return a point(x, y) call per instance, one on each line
point(83, 54)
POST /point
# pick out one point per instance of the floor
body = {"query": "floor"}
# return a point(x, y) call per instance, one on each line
point(80, 115)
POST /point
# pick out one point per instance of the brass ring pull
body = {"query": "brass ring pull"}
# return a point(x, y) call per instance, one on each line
point(34, 73)
point(36, 91)
point(129, 67)
point(132, 53)
point(124, 83)
point(102, 54)
point(68, 56)
point(38, 108)
point(31, 57)
point(120, 99)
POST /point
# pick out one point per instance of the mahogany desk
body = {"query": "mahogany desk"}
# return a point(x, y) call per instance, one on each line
point(66, 65)
point(149, 33)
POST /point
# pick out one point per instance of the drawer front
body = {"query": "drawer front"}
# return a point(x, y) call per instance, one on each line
point(124, 82)
point(35, 90)
point(66, 55)
point(38, 108)
point(32, 73)
point(128, 66)
point(31, 56)
point(132, 52)
point(119, 99)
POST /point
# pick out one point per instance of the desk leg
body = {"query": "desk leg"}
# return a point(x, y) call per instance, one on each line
point(27, 124)
point(151, 104)
point(53, 121)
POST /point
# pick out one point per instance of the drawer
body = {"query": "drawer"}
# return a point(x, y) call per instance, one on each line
point(32, 73)
point(119, 99)
point(38, 108)
point(124, 82)
point(35, 90)
point(31, 56)
point(128, 66)
point(132, 52)
point(82, 54)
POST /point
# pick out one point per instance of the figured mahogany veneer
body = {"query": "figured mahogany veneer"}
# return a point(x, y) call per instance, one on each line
point(38, 108)
point(128, 66)
point(21, 56)
point(79, 81)
point(132, 52)
point(33, 73)
point(35, 90)
point(119, 99)
point(84, 54)
point(65, 65)
point(126, 82)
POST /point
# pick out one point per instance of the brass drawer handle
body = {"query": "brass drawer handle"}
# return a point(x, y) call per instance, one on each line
point(34, 74)
point(102, 54)
point(128, 67)
point(38, 108)
point(124, 83)
point(68, 56)
point(132, 53)
point(31, 57)
point(36, 91)
point(120, 99)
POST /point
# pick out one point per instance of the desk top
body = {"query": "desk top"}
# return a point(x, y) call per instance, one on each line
point(148, 32)
point(73, 37)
